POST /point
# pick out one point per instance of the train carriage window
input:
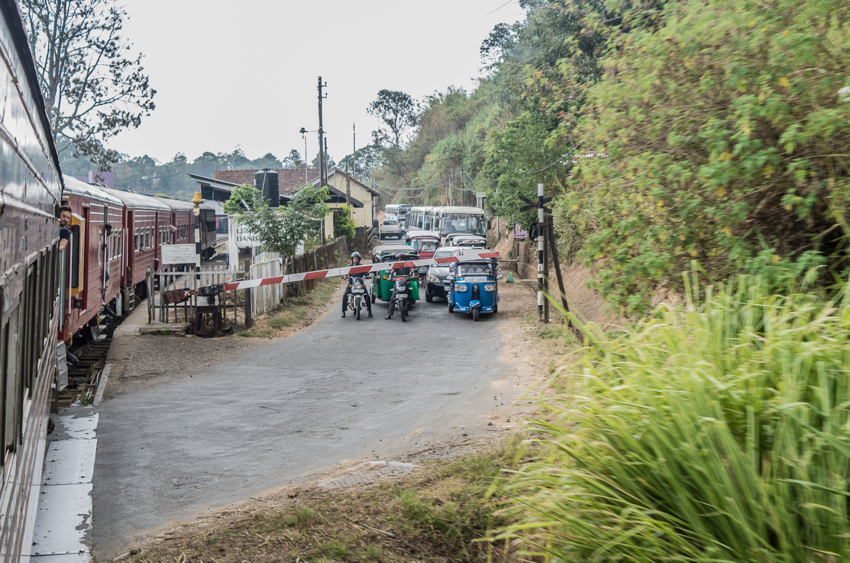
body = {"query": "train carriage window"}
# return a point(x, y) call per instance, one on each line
point(136, 240)
point(4, 347)
point(75, 256)
point(99, 247)
point(11, 380)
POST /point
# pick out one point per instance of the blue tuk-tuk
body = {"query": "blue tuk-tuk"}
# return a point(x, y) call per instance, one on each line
point(474, 287)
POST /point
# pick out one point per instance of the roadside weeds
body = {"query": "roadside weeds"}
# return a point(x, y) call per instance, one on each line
point(298, 312)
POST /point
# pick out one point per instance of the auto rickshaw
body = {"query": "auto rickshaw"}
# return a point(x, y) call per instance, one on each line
point(474, 287)
point(474, 241)
point(382, 284)
point(379, 252)
point(425, 243)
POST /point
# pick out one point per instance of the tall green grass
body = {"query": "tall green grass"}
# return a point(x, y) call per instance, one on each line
point(716, 431)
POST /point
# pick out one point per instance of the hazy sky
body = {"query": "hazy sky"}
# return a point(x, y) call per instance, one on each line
point(245, 73)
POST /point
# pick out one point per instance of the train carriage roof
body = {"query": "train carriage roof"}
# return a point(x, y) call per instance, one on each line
point(180, 205)
point(138, 201)
point(80, 188)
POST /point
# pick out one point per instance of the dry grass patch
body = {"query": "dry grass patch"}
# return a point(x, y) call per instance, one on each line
point(298, 312)
point(441, 513)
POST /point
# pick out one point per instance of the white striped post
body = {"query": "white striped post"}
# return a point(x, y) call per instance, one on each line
point(540, 249)
point(197, 200)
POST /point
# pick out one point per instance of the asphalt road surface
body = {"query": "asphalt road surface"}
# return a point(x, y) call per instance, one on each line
point(342, 390)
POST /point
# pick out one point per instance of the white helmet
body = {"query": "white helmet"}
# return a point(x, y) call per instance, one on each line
point(355, 254)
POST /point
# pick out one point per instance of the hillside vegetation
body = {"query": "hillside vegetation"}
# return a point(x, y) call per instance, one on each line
point(721, 130)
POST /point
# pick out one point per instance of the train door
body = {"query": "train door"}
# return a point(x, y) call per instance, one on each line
point(130, 247)
point(85, 250)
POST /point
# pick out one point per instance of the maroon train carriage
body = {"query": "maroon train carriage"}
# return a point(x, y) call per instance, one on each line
point(30, 194)
point(183, 222)
point(95, 264)
point(143, 218)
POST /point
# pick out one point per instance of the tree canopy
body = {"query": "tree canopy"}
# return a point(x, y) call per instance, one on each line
point(93, 89)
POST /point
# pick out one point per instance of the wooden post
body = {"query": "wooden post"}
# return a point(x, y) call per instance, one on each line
point(249, 314)
point(557, 263)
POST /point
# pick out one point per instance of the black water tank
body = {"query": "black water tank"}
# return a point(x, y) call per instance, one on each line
point(266, 181)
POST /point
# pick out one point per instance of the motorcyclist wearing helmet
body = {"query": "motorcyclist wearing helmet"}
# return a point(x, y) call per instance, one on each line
point(399, 258)
point(355, 261)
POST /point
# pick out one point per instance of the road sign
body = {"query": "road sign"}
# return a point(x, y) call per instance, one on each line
point(178, 253)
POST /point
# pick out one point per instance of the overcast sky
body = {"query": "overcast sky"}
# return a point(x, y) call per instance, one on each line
point(245, 73)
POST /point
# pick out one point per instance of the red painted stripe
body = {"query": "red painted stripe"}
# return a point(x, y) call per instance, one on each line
point(271, 281)
point(315, 275)
point(359, 269)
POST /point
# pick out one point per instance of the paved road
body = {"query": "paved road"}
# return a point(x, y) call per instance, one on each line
point(342, 390)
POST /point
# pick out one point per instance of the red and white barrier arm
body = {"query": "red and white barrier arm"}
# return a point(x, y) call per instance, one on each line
point(365, 269)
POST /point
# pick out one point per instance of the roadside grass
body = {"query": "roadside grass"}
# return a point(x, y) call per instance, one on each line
point(296, 310)
point(718, 430)
point(442, 512)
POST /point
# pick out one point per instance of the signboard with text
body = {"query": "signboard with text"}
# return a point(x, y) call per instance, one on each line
point(241, 236)
point(178, 253)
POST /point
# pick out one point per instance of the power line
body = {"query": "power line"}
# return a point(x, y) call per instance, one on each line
point(497, 9)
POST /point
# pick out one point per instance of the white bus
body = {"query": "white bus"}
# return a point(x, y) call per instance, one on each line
point(459, 220)
point(391, 209)
point(422, 218)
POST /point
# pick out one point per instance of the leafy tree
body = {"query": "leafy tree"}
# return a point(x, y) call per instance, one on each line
point(92, 89)
point(343, 223)
point(293, 160)
point(279, 229)
point(398, 111)
point(726, 143)
point(267, 161)
point(329, 160)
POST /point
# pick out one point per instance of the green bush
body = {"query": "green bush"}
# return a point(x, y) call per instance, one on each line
point(717, 432)
point(725, 136)
point(344, 224)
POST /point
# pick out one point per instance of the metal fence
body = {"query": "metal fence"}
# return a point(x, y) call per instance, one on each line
point(172, 277)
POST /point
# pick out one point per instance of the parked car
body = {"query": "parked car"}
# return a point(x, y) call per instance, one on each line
point(390, 228)
point(436, 284)
point(474, 287)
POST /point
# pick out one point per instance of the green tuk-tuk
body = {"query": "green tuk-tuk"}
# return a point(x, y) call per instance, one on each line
point(382, 283)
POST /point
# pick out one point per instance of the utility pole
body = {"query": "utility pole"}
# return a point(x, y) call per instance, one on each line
point(348, 182)
point(354, 146)
point(541, 238)
point(322, 168)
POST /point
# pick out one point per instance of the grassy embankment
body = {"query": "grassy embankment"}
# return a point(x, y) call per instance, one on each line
point(295, 311)
point(717, 431)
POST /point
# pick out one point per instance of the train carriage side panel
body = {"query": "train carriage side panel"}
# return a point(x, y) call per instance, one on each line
point(140, 215)
point(100, 253)
point(30, 191)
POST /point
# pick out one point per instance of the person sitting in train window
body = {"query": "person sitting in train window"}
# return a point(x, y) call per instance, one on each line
point(65, 229)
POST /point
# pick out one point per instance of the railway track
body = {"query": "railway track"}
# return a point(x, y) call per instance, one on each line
point(84, 377)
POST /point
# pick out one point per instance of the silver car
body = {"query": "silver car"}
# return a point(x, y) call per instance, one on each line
point(389, 228)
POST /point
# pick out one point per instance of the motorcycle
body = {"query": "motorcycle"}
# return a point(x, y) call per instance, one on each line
point(402, 301)
point(358, 294)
